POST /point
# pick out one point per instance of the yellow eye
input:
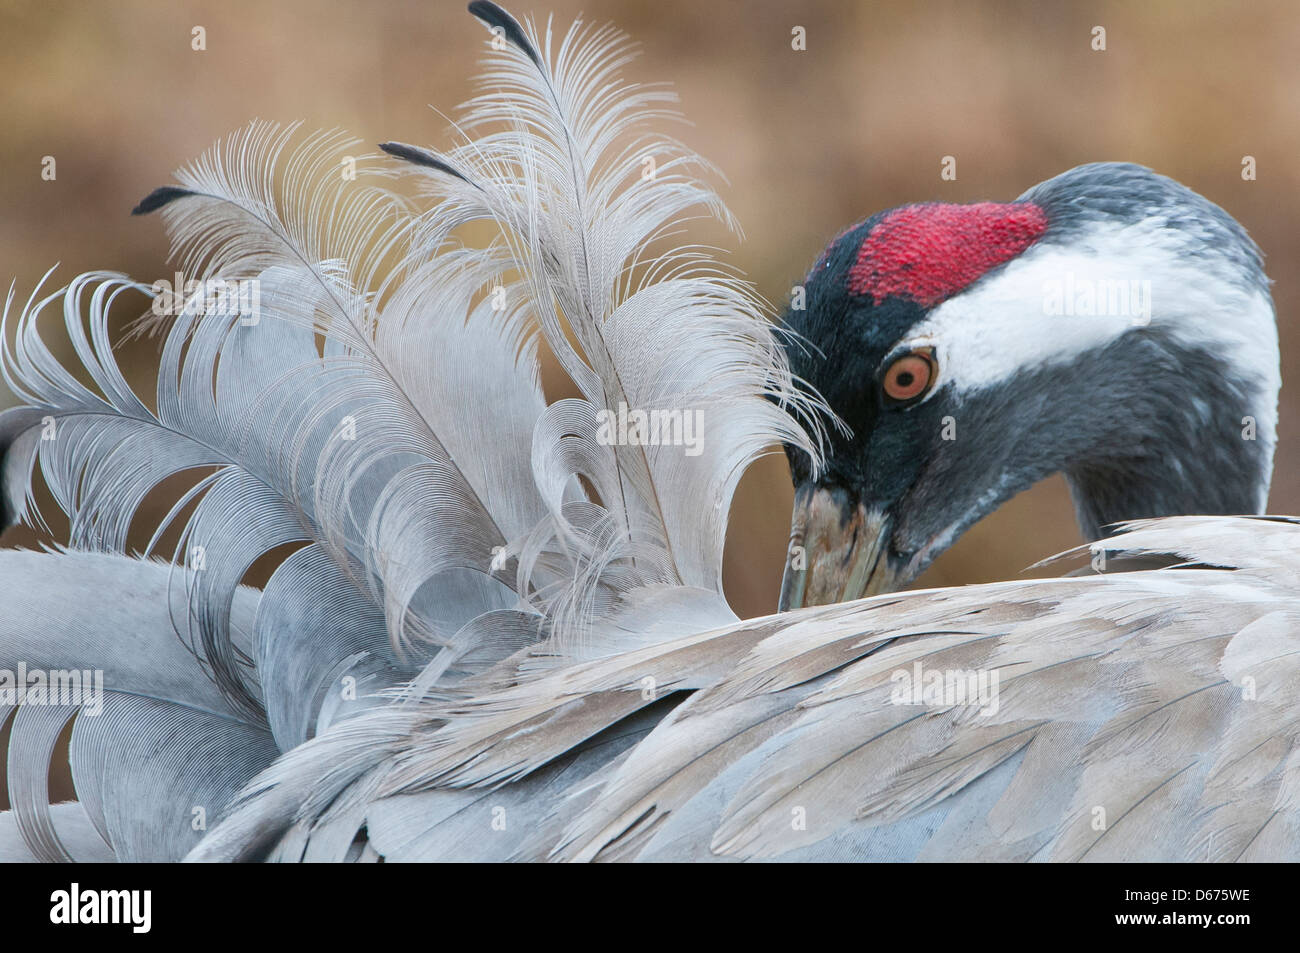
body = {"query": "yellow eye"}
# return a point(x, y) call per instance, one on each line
point(909, 376)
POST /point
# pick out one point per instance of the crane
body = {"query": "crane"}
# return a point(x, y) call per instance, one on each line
point(501, 632)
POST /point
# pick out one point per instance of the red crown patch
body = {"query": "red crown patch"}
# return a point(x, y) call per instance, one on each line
point(930, 252)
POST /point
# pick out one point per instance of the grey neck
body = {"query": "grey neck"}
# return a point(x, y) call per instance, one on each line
point(1195, 446)
point(1119, 490)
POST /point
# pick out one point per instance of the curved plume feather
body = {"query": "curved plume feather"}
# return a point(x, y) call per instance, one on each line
point(345, 375)
point(569, 163)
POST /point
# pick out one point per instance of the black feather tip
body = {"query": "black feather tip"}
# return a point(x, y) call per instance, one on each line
point(400, 150)
point(494, 16)
point(158, 198)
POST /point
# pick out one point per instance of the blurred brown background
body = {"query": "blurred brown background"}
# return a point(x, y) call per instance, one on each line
point(809, 141)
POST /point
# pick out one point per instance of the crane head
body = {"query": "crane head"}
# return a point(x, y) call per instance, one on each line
point(1110, 324)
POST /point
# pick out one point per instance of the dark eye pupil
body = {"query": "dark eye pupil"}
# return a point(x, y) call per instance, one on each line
point(904, 379)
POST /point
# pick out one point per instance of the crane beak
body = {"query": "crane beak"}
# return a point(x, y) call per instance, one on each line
point(838, 550)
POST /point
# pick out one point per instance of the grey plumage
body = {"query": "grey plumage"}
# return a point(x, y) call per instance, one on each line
point(504, 635)
point(1130, 194)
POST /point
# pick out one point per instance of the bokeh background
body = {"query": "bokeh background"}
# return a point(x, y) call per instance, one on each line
point(809, 141)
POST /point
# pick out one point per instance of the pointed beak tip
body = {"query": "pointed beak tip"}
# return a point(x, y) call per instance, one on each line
point(838, 550)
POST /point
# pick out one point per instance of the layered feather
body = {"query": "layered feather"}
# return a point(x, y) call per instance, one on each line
point(1138, 716)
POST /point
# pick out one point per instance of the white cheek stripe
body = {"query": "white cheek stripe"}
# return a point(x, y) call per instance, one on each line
point(1014, 320)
